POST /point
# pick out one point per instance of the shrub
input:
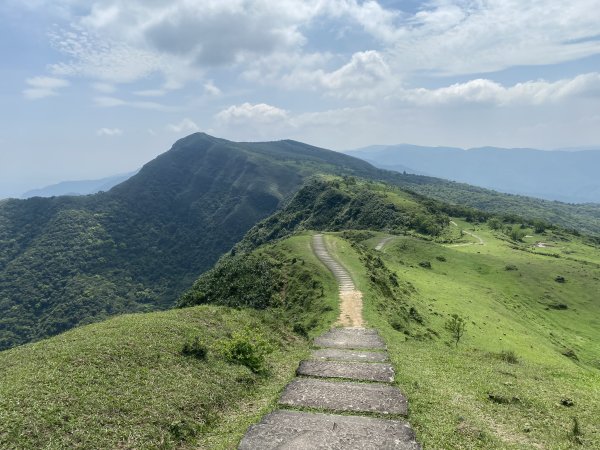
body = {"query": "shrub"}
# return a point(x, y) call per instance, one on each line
point(515, 233)
point(441, 258)
point(425, 264)
point(494, 223)
point(194, 348)
point(300, 329)
point(560, 279)
point(414, 315)
point(509, 356)
point(456, 326)
point(510, 267)
point(248, 348)
point(570, 353)
point(576, 433)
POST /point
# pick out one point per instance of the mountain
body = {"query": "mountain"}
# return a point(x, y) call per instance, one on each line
point(68, 261)
point(81, 187)
point(71, 260)
point(563, 175)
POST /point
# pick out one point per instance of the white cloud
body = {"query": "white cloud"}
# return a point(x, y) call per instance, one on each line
point(471, 36)
point(489, 92)
point(41, 87)
point(119, 41)
point(109, 132)
point(365, 76)
point(186, 125)
point(112, 102)
point(107, 60)
point(151, 93)
point(247, 112)
point(211, 89)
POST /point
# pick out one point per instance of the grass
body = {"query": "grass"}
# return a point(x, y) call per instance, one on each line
point(508, 383)
point(125, 382)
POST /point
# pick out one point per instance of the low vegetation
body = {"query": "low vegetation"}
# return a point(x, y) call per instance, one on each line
point(192, 377)
point(522, 371)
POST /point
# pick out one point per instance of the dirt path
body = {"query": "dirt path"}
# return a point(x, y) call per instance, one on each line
point(350, 297)
point(383, 242)
point(473, 235)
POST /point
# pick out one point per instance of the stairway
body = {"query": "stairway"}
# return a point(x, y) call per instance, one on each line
point(343, 397)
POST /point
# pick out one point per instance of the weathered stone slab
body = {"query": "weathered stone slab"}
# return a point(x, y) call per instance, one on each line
point(344, 396)
point(292, 430)
point(344, 369)
point(350, 338)
point(349, 355)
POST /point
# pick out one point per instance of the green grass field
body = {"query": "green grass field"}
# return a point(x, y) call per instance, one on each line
point(124, 383)
point(476, 395)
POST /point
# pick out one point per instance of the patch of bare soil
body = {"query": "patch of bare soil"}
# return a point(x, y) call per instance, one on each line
point(350, 309)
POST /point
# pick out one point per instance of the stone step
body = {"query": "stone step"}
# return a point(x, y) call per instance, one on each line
point(344, 396)
point(348, 355)
point(352, 370)
point(350, 338)
point(293, 430)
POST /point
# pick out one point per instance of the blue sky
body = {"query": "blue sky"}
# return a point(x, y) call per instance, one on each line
point(94, 88)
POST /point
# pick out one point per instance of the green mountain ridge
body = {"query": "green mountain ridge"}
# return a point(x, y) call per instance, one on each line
point(68, 261)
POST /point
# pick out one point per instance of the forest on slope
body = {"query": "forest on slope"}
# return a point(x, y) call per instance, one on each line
point(67, 261)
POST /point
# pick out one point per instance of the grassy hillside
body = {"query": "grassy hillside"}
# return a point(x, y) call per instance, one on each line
point(125, 383)
point(334, 203)
point(526, 373)
point(584, 218)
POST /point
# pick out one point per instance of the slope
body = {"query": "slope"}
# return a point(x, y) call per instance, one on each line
point(526, 372)
point(80, 187)
point(567, 176)
point(526, 366)
point(67, 261)
point(128, 383)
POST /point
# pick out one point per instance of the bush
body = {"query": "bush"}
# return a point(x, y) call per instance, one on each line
point(515, 233)
point(248, 348)
point(425, 264)
point(570, 353)
point(195, 348)
point(441, 258)
point(560, 279)
point(456, 326)
point(494, 223)
point(575, 434)
point(509, 356)
point(511, 267)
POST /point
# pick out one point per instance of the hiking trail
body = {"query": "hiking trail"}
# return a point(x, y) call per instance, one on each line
point(347, 373)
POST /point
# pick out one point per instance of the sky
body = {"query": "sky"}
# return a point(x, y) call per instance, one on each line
point(96, 88)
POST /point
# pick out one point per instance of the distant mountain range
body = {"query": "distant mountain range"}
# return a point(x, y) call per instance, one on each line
point(80, 187)
point(565, 175)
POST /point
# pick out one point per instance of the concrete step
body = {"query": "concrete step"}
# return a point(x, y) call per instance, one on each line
point(349, 338)
point(344, 396)
point(292, 430)
point(348, 355)
point(360, 371)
